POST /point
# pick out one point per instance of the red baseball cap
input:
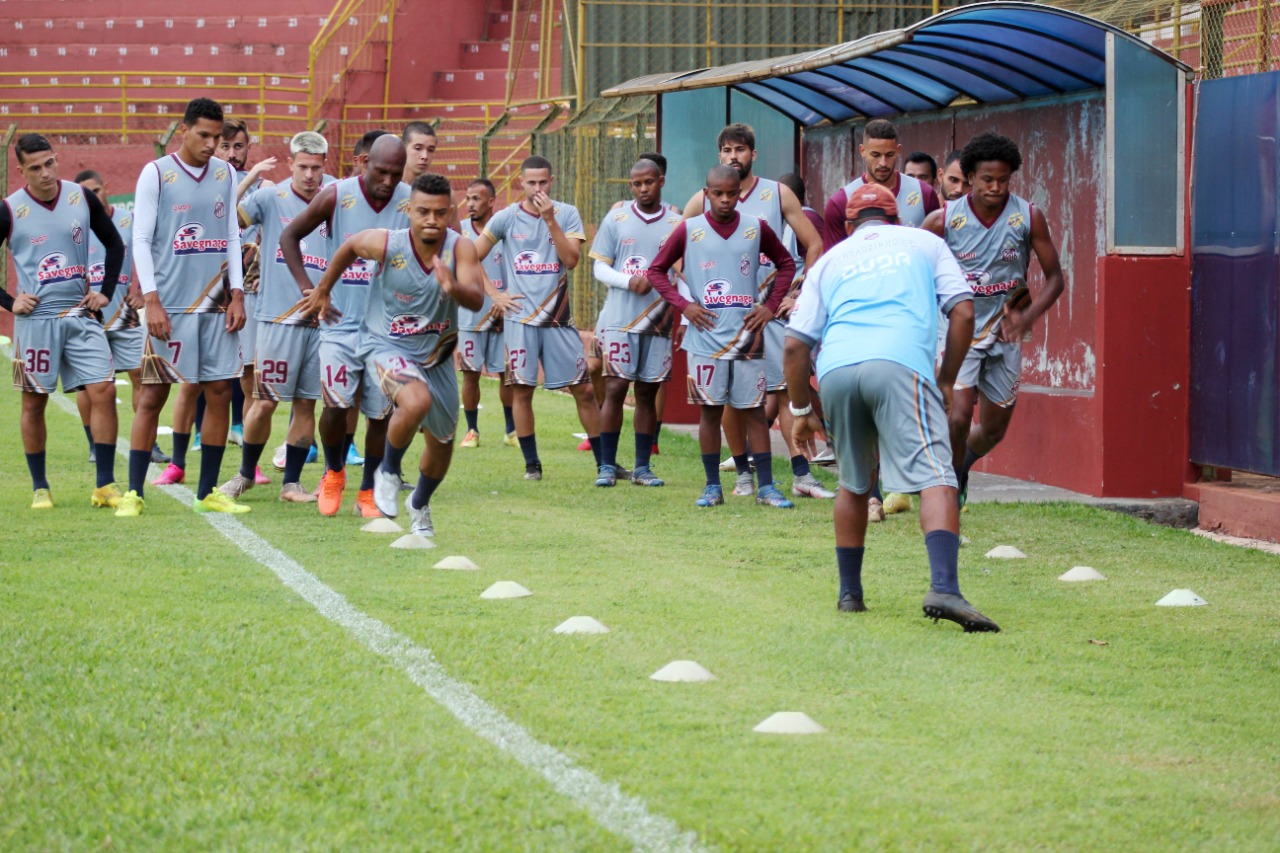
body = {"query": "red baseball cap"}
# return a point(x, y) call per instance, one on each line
point(870, 196)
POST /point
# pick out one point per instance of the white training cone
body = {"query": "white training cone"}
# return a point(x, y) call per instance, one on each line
point(505, 589)
point(1006, 552)
point(382, 525)
point(581, 625)
point(164, 430)
point(683, 670)
point(1181, 598)
point(1082, 573)
point(413, 542)
point(461, 564)
point(789, 723)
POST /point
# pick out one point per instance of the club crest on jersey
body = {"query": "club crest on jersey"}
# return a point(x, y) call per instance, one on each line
point(1009, 254)
point(697, 235)
point(766, 195)
point(359, 273)
point(635, 265)
point(408, 325)
point(620, 217)
point(1015, 220)
point(77, 233)
point(530, 263)
point(402, 206)
point(913, 199)
point(957, 222)
point(219, 209)
point(348, 201)
point(189, 239)
point(170, 176)
point(55, 267)
point(744, 267)
point(22, 211)
point(751, 233)
point(220, 174)
point(74, 198)
point(719, 294)
point(398, 262)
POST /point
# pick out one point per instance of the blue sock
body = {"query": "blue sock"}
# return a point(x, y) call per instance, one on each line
point(105, 454)
point(657, 428)
point(294, 459)
point(89, 435)
point(335, 456)
point(743, 462)
point(609, 448)
point(529, 447)
point(711, 465)
point(210, 468)
point(250, 455)
point(799, 466)
point(849, 562)
point(472, 416)
point(944, 558)
point(371, 466)
point(392, 457)
point(764, 469)
point(237, 403)
point(138, 462)
point(510, 419)
point(201, 405)
point(181, 441)
point(595, 448)
point(644, 449)
point(426, 488)
point(35, 464)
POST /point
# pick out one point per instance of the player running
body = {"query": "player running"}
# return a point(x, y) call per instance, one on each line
point(408, 334)
point(871, 304)
point(57, 324)
point(993, 233)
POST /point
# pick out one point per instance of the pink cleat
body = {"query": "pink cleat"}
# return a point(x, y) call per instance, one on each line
point(586, 444)
point(260, 478)
point(172, 475)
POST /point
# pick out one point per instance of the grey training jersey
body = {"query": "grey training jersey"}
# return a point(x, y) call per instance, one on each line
point(50, 246)
point(488, 318)
point(994, 257)
point(408, 310)
point(910, 199)
point(764, 201)
point(117, 315)
point(721, 274)
point(194, 212)
point(353, 212)
point(628, 240)
point(530, 265)
point(269, 210)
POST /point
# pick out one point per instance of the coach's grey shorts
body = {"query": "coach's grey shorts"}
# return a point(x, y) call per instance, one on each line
point(882, 403)
point(635, 357)
point(481, 352)
point(389, 371)
point(739, 383)
point(249, 334)
point(46, 349)
point(199, 349)
point(340, 368)
point(995, 371)
point(288, 362)
point(775, 344)
point(558, 348)
point(126, 347)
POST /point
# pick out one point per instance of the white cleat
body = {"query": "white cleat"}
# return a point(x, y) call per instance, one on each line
point(745, 485)
point(236, 486)
point(419, 519)
point(386, 492)
point(809, 487)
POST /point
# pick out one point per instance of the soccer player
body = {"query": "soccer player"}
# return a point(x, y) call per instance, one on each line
point(880, 151)
point(419, 140)
point(871, 304)
point(480, 332)
point(408, 334)
point(722, 251)
point(541, 241)
point(288, 358)
point(186, 254)
point(57, 329)
point(993, 233)
point(923, 168)
point(634, 328)
point(953, 183)
point(374, 199)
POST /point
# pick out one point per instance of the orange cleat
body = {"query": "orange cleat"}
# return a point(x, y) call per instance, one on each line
point(331, 486)
point(365, 507)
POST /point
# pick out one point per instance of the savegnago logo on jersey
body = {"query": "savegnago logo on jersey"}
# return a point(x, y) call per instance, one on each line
point(408, 325)
point(635, 265)
point(55, 267)
point(719, 294)
point(189, 239)
point(531, 263)
point(360, 272)
point(311, 262)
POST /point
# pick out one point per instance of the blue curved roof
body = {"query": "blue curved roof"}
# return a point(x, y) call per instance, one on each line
point(987, 53)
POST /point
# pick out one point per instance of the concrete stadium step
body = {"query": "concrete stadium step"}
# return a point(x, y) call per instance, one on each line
point(122, 9)
point(217, 58)
point(458, 84)
point(139, 30)
point(485, 54)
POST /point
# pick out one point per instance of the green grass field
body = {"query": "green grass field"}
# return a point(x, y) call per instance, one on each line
point(161, 690)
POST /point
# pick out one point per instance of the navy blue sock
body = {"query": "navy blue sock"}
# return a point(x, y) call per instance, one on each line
point(595, 448)
point(249, 458)
point(346, 446)
point(181, 441)
point(764, 469)
point(138, 462)
point(799, 466)
point(426, 488)
point(944, 559)
point(875, 488)
point(35, 464)
point(472, 416)
point(711, 465)
point(89, 435)
point(743, 462)
point(644, 449)
point(294, 459)
point(371, 466)
point(657, 428)
point(609, 447)
point(335, 456)
point(200, 407)
point(237, 403)
point(510, 419)
point(105, 454)
point(849, 562)
point(210, 468)
point(529, 447)
point(392, 457)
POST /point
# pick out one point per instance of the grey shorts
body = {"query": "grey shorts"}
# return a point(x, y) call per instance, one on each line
point(249, 334)
point(199, 349)
point(740, 383)
point(775, 344)
point(481, 352)
point(46, 349)
point(340, 368)
point(126, 347)
point(635, 357)
point(557, 348)
point(995, 372)
point(886, 406)
point(288, 363)
point(389, 371)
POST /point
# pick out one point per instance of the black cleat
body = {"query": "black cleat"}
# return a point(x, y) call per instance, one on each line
point(850, 603)
point(941, 605)
point(159, 457)
point(533, 472)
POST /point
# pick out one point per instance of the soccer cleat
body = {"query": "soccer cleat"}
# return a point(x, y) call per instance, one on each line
point(809, 487)
point(278, 458)
point(130, 505)
point(331, 486)
point(826, 457)
point(217, 501)
point(644, 476)
point(260, 478)
point(365, 507)
point(353, 458)
point(586, 444)
point(42, 499)
point(159, 457)
point(236, 486)
point(895, 502)
point(386, 492)
point(745, 485)
point(293, 493)
point(236, 435)
point(875, 511)
point(850, 603)
point(195, 443)
point(771, 496)
point(405, 485)
point(107, 495)
point(313, 453)
point(471, 439)
point(533, 472)
point(941, 605)
point(711, 496)
point(419, 519)
point(511, 439)
point(622, 473)
point(607, 476)
point(171, 476)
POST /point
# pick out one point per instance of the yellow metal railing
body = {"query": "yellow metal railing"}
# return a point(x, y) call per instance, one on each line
point(348, 42)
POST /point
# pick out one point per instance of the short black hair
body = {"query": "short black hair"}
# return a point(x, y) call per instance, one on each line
point(88, 175)
point(486, 183)
point(658, 160)
point(535, 162)
point(737, 132)
point(233, 127)
point(433, 184)
point(421, 128)
point(795, 183)
point(199, 108)
point(989, 147)
point(719, 171)
point(366, 141)
point(951, 158)
point(30, 143)
point(921, 157)
point(879, 128)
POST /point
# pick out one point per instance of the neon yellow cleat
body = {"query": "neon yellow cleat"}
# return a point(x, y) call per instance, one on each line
point(130, 505)
point(895, 503)
point(471, 439)
point(511, 440)
point(216, 501)
point(42, 499)
point(107, 495)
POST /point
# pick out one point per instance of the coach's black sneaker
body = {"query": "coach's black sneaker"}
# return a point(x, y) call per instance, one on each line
point(533, 472)
point(850, 603)
point(158, 456)
point(607, 476)
point(941, 605)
